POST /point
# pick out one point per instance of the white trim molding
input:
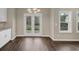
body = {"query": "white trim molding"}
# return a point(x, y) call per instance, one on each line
point(13, 38)
point(53, 39)
point(66, 39)
point(32, 35)
point(77, 21)
point(32, 23)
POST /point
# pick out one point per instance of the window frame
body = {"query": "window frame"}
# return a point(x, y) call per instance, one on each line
point(69, 23)
point(77, 22)
point(32, 33)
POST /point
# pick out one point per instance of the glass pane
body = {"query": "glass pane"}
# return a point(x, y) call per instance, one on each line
point(64, 26)
point(78, 26)
point(78, 17)
point(64, 17)
point(37, 24)
point(28, 24)
point(78, 14)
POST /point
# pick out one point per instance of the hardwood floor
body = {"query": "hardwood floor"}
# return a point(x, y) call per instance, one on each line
point(29, 44)
point(67, 46)
point(39, 44)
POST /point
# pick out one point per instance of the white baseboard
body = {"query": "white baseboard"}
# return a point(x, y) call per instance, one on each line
point(66, 39)
point(63, 39)
point(51, 38)
point(13, 38)
point(32, 35)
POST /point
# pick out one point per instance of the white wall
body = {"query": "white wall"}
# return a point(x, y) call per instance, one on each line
point(13, 18)
point(52, 16)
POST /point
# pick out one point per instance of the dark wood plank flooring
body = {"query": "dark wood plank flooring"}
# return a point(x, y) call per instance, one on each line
point(67, 45)
point(39, 44)
point(29, 44)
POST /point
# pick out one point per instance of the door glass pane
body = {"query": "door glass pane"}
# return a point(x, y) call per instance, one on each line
point(78, 20)
point(37, 24)
point(64, 17)
point(78, 26)
point(78, 17)
point(28, 24)
point(64, 26)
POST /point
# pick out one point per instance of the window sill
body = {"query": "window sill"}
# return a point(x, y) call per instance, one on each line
point(65, 31)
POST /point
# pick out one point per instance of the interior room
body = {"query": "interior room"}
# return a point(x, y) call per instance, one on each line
point(39, 29)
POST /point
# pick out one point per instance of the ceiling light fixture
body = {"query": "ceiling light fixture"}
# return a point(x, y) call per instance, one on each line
point(33, 10)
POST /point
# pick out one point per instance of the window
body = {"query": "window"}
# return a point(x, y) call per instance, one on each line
point(77, 21)
point(65, 21)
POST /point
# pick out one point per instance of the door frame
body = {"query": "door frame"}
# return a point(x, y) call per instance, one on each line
point(32, 34)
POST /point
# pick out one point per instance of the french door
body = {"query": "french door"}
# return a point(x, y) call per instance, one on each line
point(33, 24)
